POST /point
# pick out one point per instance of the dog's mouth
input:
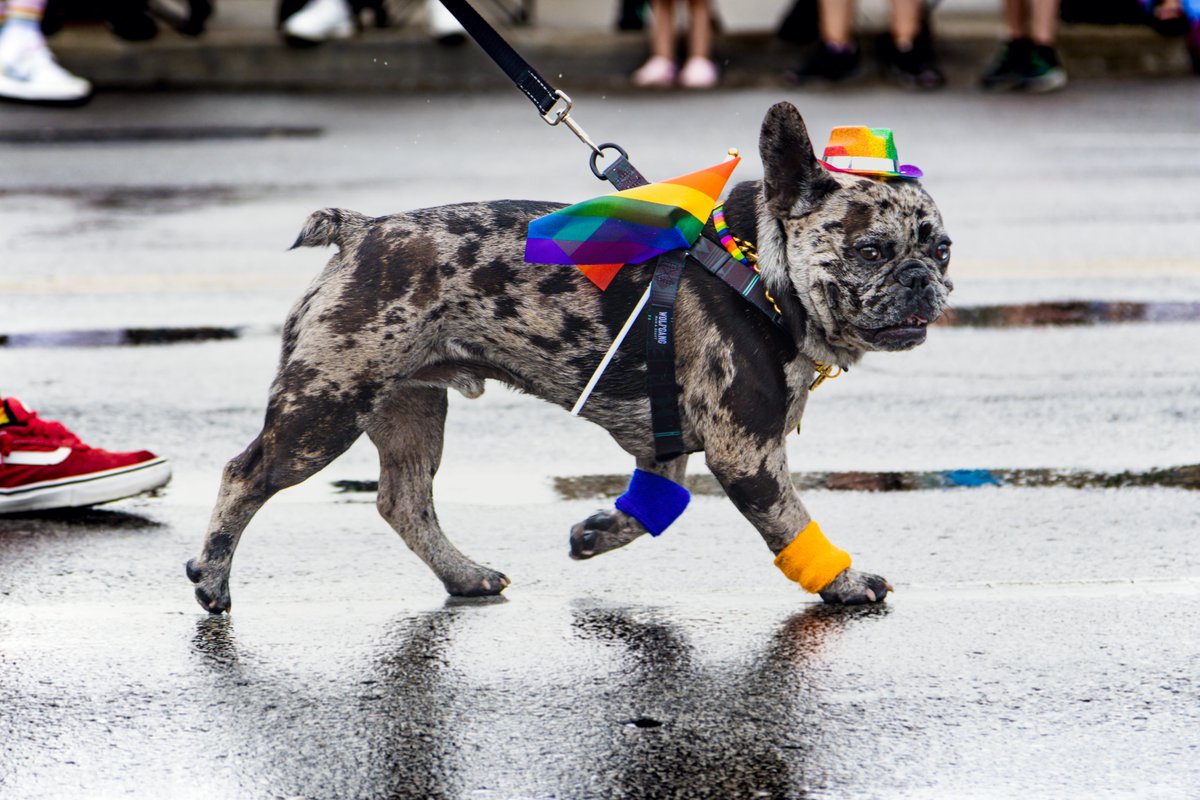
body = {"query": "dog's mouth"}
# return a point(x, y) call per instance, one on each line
point(909, 333)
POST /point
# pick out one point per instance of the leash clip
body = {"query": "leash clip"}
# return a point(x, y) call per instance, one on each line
point(558, 114)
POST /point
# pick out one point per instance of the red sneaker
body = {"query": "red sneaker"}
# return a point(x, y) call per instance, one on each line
point(43, 465)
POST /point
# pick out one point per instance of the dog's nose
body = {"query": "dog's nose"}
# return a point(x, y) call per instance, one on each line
point(912, 275)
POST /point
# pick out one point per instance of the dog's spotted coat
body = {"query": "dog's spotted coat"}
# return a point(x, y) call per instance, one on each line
point(416, 303)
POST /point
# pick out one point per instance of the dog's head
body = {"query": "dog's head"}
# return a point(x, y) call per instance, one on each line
point(867, 257)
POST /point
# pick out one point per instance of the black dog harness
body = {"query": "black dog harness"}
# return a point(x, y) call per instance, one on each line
point(660, 318)
point(661, 386)
point(555, 108)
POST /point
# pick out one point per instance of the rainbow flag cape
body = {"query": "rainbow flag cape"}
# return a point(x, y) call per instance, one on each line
point(603, 234)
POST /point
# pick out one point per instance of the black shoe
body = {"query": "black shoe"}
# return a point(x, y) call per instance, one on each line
point(801, 24)
point(1010, 66)
point(189, 17)
point(915, 68)
point(130, 21)
point(828, 64)
point(631, 16)
point(1044, 73)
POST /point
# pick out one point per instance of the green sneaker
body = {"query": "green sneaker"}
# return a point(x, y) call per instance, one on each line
point(1044, 73)
point(1009, 69)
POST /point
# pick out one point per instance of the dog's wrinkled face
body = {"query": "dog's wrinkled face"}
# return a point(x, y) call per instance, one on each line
point(870, 255)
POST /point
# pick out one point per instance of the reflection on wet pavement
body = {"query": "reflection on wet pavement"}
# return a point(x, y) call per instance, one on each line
point(156, 133)
point(580, 487)
point(634, 710)
point(124, 337)
point(156, 199)
point(1079, 312)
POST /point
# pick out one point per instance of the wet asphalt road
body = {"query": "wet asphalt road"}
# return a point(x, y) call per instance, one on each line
point(1042, 642)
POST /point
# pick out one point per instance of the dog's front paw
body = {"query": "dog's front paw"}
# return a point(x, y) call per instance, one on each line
point(603, 531)
point(854, 588)
point(477, 582)
point(212, 587)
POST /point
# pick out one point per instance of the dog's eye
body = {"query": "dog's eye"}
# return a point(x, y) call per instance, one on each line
point(942, 251)
point(870, 253)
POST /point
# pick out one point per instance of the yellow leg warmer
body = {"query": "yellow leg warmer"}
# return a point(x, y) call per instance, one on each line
point(810, 560)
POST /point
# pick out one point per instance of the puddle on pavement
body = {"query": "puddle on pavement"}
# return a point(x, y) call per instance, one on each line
point(157, 133)
point(131, 337)
point(584, 487)
point(1074, 312)
point(148, 199)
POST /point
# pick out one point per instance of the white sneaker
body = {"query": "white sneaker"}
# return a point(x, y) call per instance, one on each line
point(321, 21)
point(699, 73)
point(33, 76)
point(657, 73)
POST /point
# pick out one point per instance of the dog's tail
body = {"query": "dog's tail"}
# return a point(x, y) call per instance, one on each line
point(330, 226)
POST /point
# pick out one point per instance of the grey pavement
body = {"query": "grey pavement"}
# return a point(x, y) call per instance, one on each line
point(1041, 642)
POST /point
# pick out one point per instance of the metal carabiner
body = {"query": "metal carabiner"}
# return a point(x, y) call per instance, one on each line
point(555, 115)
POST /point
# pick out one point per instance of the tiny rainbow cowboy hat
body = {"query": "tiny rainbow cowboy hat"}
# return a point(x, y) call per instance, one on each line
point(866, 151)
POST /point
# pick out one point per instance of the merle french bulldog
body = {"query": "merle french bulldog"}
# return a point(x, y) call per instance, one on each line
point(414, 304)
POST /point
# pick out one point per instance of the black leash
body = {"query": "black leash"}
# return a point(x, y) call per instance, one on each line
point(555, 107)
point(553, 104)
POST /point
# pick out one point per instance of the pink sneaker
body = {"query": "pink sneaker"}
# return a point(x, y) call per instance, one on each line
point(44, 466)
point(657, 73)
point(699, 73)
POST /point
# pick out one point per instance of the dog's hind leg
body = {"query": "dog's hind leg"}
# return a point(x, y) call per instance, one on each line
point(408, 431)
point(302, 434)
point(612, 528)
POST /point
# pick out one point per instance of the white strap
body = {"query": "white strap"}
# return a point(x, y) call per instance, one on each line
point(612, 351)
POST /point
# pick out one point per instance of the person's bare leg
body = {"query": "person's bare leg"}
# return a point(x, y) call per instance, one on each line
point(906, 22)
point(1043, 21)
point(699, 72)
point(659, 69)
point(662, 28)
point(700, 30)
point(837, 22)
point(1015, 16)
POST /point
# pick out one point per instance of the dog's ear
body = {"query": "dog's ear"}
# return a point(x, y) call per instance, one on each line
point(793, 180)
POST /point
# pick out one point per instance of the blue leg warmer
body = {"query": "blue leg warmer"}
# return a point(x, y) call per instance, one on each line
point(653, 500)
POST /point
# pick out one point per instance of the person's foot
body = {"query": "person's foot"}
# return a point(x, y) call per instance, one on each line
point(657, 73)
point(698, 73)
point(131, 22)
point(914, 67)
point(319, 21)
point(828, 63)
point(31, 75)
point(1010, 65)
point(1044, 72)
point(44, 466)
point(1025, 67)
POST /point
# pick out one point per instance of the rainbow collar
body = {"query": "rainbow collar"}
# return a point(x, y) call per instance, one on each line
point(724, 235)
